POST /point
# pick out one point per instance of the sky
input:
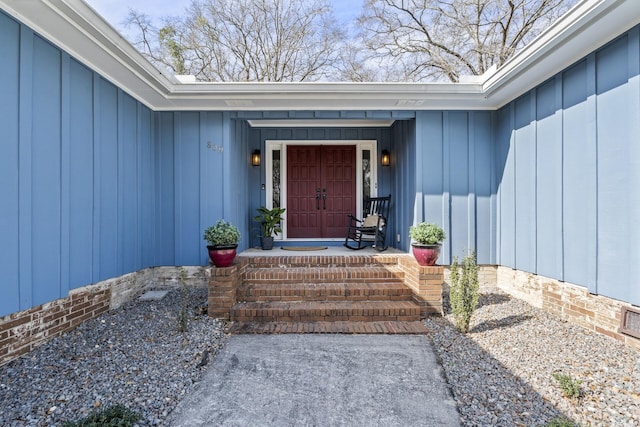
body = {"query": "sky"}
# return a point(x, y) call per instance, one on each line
point(116, 11)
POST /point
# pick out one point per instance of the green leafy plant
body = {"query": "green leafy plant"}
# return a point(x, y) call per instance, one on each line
point(570, 387)
point(270, 220)
point(464, 292)
point(112, 416)
point(183, 314)
point(222, 233)
point(427, 233)
point(560, 422)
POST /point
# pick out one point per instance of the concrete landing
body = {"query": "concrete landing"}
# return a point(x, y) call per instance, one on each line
point(328, 380)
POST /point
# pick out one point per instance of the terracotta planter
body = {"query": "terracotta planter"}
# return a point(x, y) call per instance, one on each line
point(222, 256)
point(426, 255)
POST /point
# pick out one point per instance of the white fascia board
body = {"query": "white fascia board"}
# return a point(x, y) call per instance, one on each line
point(325, 96)
point(587, 26)
point(80, 31)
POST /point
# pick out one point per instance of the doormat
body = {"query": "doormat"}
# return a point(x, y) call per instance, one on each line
point(303, 248)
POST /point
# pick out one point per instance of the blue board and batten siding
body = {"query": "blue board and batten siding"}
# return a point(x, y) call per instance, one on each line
point(95, 185)
point(76, 166)
point(568, 167)
point(454, 181)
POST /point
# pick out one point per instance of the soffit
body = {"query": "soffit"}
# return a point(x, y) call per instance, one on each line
point(77, 29)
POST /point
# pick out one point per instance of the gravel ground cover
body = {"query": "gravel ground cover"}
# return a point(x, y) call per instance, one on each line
point(501, 373)
point(134, 355)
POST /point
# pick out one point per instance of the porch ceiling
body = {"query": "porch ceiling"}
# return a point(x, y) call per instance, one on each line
point(80, 31)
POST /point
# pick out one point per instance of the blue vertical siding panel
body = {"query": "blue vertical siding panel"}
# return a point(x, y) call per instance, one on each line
point(128, 197)
point(429, 168)
point(9, 208)
point(189, 242)
point(458, 165)
point(146, 188)
point(165, 191)
point(549, 179)
point(404, 191)
point(25, 166)
point(65, 138)
point(107, 171)
point(525, 184)
point(614, 187)
point(80, 171)
point(212, 140)
point(482, 181)
point(634, 159)
point(579, 177)
point(505, 164)
point(46, 179)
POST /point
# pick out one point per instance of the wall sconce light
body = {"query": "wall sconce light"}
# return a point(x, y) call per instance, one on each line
point(386, 158)
point(255, 158)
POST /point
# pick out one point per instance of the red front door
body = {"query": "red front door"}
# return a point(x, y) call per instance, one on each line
point(321, 190)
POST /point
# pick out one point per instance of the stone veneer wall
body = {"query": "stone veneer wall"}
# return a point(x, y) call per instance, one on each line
point(23, 331)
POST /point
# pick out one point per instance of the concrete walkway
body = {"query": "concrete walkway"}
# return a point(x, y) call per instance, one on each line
point(321, 380)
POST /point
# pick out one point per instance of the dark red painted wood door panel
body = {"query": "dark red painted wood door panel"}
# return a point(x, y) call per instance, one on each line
point(321, 190)
point(339, 180)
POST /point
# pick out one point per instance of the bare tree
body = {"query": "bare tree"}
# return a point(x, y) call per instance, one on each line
point(245, 40)
point(444, 39)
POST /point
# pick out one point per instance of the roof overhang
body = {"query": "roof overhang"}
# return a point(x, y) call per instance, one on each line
point(81, 32)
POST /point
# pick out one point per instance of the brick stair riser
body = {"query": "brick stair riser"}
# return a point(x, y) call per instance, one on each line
point(313, 262)
point(321, 275)
point(313, 312)
point(324, 292)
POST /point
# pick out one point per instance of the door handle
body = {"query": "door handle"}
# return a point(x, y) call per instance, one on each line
point(324, 201)
point(318, 201)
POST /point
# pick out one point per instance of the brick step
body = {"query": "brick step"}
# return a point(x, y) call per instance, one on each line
point(314, 311)
point(320, 261)
point(322, 275)
point(391, 291)
point(339, 327)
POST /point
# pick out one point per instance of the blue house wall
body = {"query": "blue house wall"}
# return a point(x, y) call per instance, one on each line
point(95, 185)
point(77, 167)
point(568, 171)
point(452, 165)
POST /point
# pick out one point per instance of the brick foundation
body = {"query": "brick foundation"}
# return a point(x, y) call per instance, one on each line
point(567, 301)
point(23, 331)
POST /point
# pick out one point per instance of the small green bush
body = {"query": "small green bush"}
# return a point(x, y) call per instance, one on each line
point(222, 233)
point(560, 422)
point(183, 314)
point(569, 386)
point(427, 233)
point(464, 293)
point(112, 416)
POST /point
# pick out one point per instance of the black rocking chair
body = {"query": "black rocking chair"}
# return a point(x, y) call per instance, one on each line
point(372, 229)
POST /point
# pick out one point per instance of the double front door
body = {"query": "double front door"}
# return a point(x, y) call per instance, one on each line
point(321, 190)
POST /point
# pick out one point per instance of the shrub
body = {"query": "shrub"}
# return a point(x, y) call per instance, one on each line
point(569, 386)
point(427, 233)
point(560, 422)
point(112, 416)
point(464, 291)
point(222, 233)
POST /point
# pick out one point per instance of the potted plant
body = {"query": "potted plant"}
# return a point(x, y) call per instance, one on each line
point(223, 238)
point(270, 220)
point(426, 242)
